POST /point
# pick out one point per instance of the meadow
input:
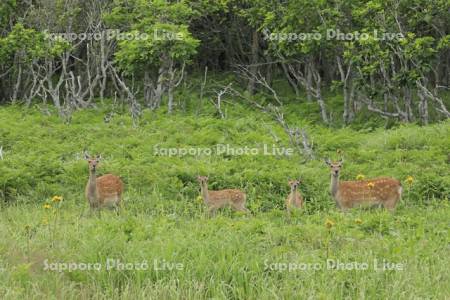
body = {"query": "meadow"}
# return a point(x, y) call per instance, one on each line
point(163, 245)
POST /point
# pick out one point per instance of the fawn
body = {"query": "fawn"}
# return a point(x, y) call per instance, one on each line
point(104, 191)
point(294, 199)
point(218, 199)
point(378, 191)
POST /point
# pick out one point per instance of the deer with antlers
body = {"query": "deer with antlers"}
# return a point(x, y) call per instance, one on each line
point(104, 191)
point(383, 191)
point(218, 199)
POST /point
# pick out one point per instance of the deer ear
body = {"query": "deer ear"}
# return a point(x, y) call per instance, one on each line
point(341, 161)
point(86, 155)
point(327, 161)
point(98, 157)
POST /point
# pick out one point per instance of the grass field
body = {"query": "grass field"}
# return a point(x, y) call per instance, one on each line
point(229, 256)
point(163, 246)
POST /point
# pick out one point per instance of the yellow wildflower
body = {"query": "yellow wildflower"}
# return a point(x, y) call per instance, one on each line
point(45, 221)
point(57, 198)
point(329, 223)
point(199, 199)
point(371, 185)
point(409, 180)
point(360, 177)
point(358, 221)
point(47, 206)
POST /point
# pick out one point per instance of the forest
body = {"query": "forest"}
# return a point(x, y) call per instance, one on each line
point(389, 58)
point(216, 127)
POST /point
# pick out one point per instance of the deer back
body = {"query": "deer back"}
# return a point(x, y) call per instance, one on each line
point(375, 190)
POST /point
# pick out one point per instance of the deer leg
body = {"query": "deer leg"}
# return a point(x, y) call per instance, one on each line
point(117, 209)
point(93, 211)
point(389, 205)
point(240, 207)
point(212, 211)
point(344, 207)
point(288, 210)
point(96, 211)
point(245, 209)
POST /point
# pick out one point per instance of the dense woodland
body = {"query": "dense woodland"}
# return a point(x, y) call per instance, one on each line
point(386, 58)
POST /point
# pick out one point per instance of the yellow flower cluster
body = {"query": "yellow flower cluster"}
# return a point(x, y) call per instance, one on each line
point(371, 185)
point(329, 223)
point(360, 177)
point(57, 198)
point(410, 180)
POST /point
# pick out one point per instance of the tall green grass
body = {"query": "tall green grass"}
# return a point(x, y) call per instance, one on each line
point(229, 256)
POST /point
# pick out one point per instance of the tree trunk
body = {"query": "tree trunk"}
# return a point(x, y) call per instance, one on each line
point(254, 61)
point(309, 78)
point(157, 97)
point(170, 87)
point(147, 88)
point(17, 85)
point(408, 104)
point(291, 81)
point(423, 108)
point(318, 94)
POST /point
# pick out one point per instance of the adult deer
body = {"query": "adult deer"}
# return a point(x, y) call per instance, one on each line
point(294, 199)
point(383, 191)
point(218, 199)
point(104, 191)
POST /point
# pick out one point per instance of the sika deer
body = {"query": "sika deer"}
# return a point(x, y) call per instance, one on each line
point(294, 199)
point(378, 191)
point(104, 191)
point(218, 199)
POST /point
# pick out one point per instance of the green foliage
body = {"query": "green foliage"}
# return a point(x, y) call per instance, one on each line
point(7, 8)
point(161, 33)
point(46, 160)
point(30, 45)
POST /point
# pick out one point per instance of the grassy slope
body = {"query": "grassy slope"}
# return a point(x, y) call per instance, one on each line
point(223, 257)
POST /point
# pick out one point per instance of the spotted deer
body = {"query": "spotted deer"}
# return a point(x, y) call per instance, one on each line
point(104, 191)
point(218, 199)
point(383, 191)
point(294, 199)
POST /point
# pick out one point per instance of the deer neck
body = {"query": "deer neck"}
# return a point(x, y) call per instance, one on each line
point(205, 195)
point(92, 187)
point(334, 184)
point(293, 190)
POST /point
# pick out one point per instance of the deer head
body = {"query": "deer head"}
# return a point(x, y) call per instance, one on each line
point(335, 167)
point(93, 161)
point(294, 183)
point(202, 179)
